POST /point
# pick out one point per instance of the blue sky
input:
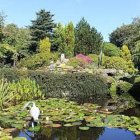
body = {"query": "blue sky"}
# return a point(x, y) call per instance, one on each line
point(105, 15)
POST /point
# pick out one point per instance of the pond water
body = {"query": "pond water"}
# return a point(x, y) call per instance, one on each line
point(60, 120)
point(73, 133)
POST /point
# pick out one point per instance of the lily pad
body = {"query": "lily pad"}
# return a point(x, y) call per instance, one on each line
point(56, 125)
point(84, 128)
point(76, 123)
point(68, 125)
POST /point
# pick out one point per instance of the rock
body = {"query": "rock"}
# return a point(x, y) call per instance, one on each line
point(1, 128)
point(110, 71)
point(52, 66)
point(58, 62)
point(66, 61)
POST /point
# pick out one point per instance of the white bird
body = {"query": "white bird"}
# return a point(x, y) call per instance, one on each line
point(34, 112)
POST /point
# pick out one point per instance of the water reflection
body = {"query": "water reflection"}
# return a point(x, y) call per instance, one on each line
point(73, 133)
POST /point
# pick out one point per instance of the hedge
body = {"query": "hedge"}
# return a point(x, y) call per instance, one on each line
point(74, 86)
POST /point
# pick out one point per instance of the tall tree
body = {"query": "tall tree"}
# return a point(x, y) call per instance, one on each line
point(10, 32)
point(126, 34)
point(2, 19)
point(69, 39)
point(15, 41)
point(87, 39)
point(129, 35)
point(64, 39)
point(58, 43)
point(136, 54)
point(41, 28)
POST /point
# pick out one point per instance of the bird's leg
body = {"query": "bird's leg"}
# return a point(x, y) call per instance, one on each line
point(38, 122)
point(33, 127)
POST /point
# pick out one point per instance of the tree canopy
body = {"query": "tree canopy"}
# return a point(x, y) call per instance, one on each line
point(41, 28)
point(64, 39)
point(87, 39)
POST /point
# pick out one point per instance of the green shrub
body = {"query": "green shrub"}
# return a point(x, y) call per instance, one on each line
point(9, 74)
point(115, 62)
point(38, 60)
point(74, 86)
point(110, 49)
point(119, 64)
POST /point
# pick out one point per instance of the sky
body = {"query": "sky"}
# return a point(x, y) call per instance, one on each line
point(104, 15)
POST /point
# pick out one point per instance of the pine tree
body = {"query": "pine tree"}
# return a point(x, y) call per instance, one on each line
point(2, 19)
point(87, 39)
point(41, 28)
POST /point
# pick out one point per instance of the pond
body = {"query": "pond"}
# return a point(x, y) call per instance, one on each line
point(66, 120)
point(73, 133)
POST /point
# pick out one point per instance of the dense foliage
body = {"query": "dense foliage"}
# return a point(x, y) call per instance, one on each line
point(62, 61)
point(38, 60)
point(64, 39)
point(87, 39)
point(76, 86)
point(44, 41)
point(41, 28)
point(119, 64)
point(76, 63)
point(110, 49)
point(129, 35)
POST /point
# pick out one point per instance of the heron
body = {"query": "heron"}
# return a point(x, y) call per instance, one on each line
point(34, 112)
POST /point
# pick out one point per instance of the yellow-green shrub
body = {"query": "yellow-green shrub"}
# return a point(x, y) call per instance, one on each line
point(94, 58)
point(45, 45)
point(119, 64)
point(38, 60)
